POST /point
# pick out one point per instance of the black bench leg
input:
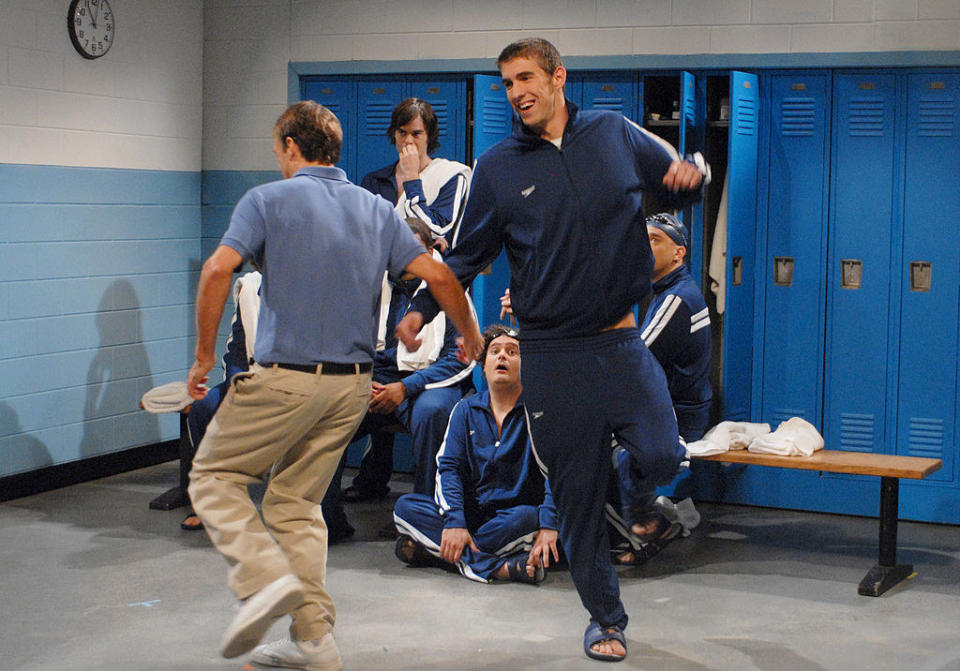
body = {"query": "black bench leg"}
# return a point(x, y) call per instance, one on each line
point(887, 572)
point(177, 497)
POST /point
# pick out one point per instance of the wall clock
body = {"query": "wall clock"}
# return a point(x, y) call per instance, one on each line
point(91, 27)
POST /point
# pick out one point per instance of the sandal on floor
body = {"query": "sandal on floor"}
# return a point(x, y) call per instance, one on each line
point(663, 530)
point(411, 552)
point(639, 558)
point(517, 569)
point(354, 494)
point(597, 634)
point(191, 523)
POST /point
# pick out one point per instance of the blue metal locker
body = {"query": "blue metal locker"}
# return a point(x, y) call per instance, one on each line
point(929, 274)
point(340, 96)
point(738, 318)
point(863, 219)
point(448, 99)
point(573, 89)
point(492, 117)
point(792, 268)
point(608, 91)
point(375, 103)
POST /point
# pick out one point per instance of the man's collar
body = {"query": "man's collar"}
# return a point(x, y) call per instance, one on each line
point(525, 134)
point(324, 171)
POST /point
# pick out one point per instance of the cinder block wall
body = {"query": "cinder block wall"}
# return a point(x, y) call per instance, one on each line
point(99, 227)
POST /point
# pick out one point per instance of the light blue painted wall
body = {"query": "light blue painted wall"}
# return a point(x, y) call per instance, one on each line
point(98, 271)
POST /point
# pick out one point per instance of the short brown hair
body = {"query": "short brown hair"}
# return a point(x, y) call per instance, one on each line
point(537, 48)
point(314, 128)
point(490, 334)
point(421, 230)
point(407, 111)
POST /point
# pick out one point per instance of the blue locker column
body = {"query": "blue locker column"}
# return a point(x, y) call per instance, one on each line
point(929, 275)
point(573, 89)
point(611, 91)
point(792, 272)
point(692, 124)
point(448, 99)
point(863, 220)
point(340, 96)
point(738, 318)
point(375, 103)
point(492, 118)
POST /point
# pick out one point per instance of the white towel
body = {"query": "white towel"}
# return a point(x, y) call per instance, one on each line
point(717, 269)
point(726, 436)
point(170, 397)
point(794, 437)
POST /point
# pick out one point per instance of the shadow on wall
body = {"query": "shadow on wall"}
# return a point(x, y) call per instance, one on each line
point(118, 375)
point(26, 452)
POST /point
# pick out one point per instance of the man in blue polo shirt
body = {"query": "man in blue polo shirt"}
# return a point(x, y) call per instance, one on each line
point(322, 245)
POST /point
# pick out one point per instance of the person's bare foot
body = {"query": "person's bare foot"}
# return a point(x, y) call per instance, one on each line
point(609, 647)
point(503, 573)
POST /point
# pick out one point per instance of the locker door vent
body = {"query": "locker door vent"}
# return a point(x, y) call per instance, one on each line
point(797, 116)
point(746, 117)
point(856, 432)
point(865, 117)
point(689, 114)
point(494, 118)
point(926, 437)
point(443, 115)
point(936, 117)
point(610, 103)
point(378, 117)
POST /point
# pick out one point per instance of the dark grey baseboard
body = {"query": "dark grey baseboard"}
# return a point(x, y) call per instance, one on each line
point(74, 472)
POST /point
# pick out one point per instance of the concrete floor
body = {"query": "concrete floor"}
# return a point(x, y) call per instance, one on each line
point(93, 579)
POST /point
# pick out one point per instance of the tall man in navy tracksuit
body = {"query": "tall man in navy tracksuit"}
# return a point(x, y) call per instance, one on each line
point(562, 195)
point(676, 329)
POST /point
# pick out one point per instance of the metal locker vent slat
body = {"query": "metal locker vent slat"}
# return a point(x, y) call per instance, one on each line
point(798, 116)
point(746, 116)
point(856, 431)
point(494, 119)
point(866, 117)
point(925, 438)
point(936, 118)
point(378, 117)
point(615, 104)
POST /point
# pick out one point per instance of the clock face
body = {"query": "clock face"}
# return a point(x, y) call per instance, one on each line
point(91, 27)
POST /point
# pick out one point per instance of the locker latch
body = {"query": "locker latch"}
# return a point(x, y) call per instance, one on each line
point(851, 273)
point(921, 275)
point(783, 271)
point(736, 270)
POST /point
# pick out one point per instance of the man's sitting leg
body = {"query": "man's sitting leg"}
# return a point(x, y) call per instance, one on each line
point(376, 467)
point(427, 421)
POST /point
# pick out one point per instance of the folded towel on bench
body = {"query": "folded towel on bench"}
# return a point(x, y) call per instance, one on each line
point(794, 437)
point(726, 436)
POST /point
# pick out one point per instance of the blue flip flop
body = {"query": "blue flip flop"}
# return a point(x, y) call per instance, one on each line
point(596, 634)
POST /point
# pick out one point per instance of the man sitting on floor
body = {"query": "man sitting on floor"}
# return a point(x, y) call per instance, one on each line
point(493, 516)
point(414, 389)
point(676, 329)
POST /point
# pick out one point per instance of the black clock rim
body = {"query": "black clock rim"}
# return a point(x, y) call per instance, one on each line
point(71, 29)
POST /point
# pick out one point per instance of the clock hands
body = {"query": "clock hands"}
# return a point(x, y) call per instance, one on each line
point(93, 19)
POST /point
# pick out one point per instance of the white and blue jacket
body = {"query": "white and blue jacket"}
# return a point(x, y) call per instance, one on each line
point(676, 328)
point(480, 471)
point(551, 208)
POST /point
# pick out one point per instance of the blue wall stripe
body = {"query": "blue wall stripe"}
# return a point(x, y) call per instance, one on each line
point(99, 272)
point(97, 186)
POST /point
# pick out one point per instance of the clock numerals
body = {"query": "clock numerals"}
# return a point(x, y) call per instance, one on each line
point(91, 26)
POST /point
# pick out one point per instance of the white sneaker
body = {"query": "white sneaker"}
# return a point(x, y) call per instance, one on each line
point(317, 655)
point(258, 612)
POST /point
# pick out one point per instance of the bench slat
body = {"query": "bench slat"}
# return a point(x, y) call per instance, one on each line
point(839, 461)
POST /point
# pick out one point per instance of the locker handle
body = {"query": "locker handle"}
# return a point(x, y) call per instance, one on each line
point(851, 273)
point(783, 271)
point(737, 271)
point(921, 275)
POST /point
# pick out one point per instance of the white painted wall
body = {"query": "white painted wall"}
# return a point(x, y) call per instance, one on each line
point(248, 43)
point(139, 106)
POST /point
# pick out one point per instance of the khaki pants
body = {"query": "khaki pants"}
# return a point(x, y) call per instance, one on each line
point(301, 422)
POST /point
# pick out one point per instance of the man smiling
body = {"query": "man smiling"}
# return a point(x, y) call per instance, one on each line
point(563, 196)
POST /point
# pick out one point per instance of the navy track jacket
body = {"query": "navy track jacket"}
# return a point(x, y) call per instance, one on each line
point(570, 219)
point(480, 472)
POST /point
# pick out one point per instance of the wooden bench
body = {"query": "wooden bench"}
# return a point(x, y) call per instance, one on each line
point(889, 468)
